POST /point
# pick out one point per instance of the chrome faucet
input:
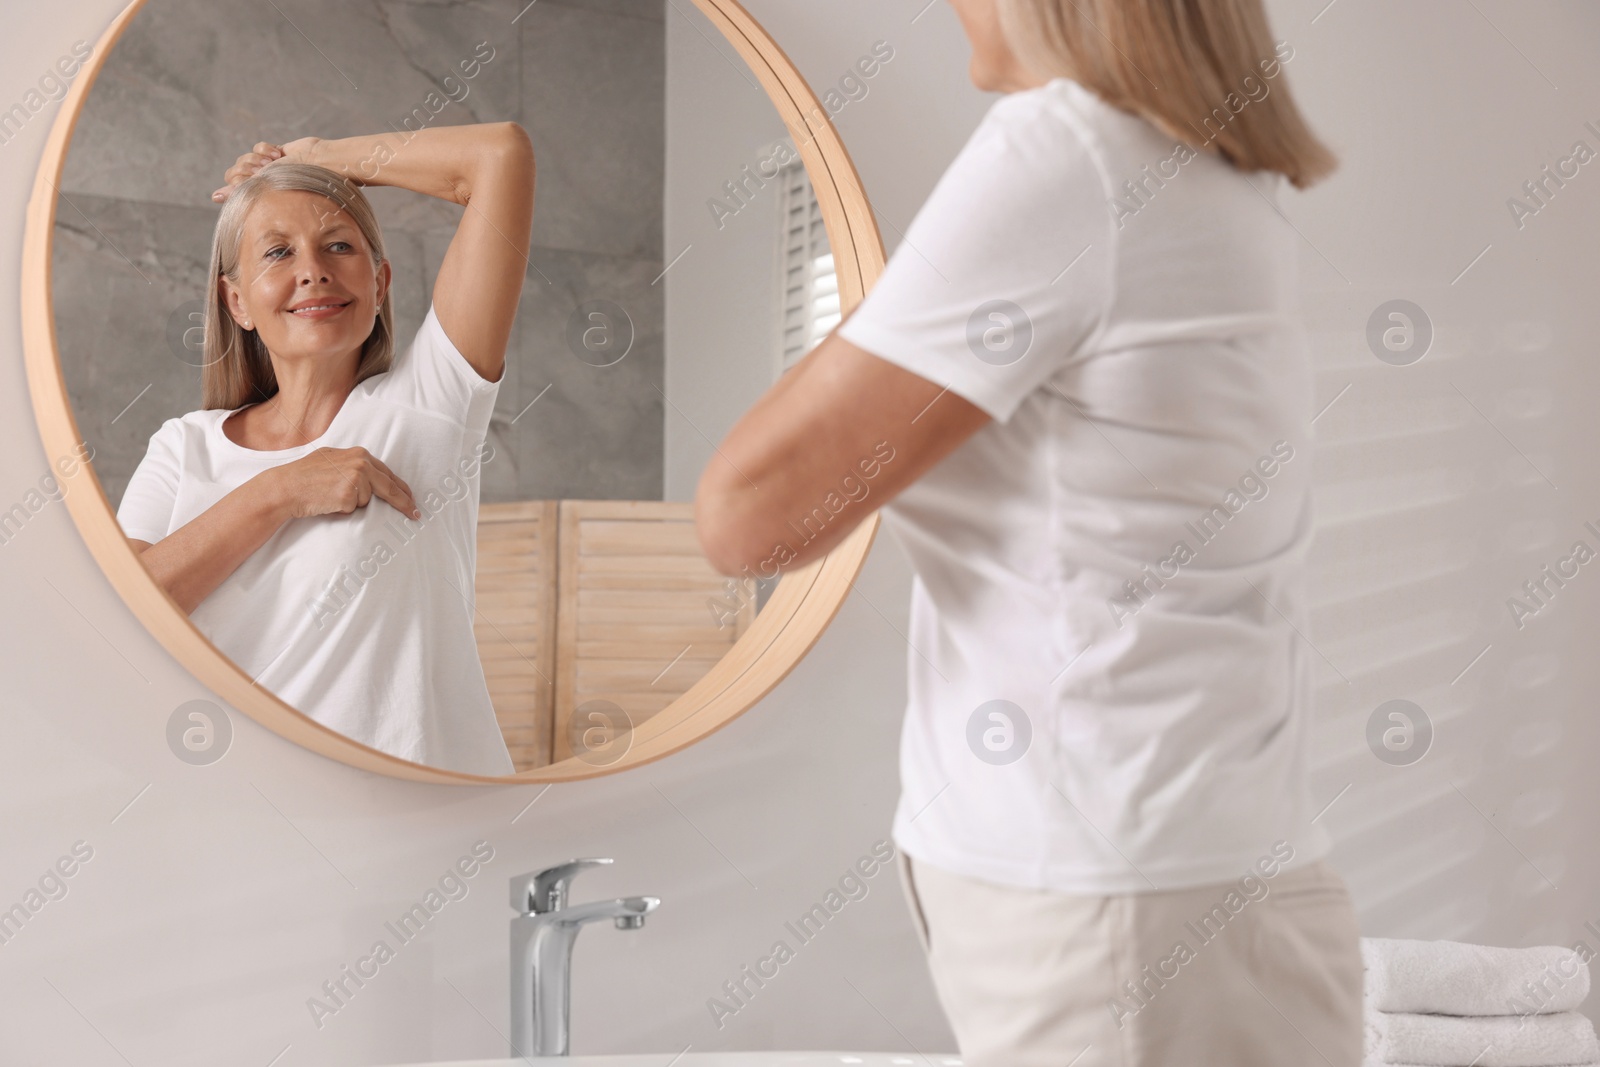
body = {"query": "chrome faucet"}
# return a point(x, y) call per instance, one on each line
point(542, 935)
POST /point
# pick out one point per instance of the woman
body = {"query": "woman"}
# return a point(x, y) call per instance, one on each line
point(1081, 389)
point(317, 517)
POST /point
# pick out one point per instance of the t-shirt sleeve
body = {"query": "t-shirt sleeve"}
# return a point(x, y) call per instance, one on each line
point(1006, 271)
point(145, 513)
point(431, 374)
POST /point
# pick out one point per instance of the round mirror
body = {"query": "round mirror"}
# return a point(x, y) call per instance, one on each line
point(697, 228)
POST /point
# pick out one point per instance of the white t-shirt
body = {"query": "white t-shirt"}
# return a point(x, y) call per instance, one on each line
point(361, 621)
point(1156, 370)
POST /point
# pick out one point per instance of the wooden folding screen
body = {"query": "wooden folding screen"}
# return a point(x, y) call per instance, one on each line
point(595, 600)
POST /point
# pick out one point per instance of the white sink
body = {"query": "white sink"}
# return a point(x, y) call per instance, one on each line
point(727, 1059)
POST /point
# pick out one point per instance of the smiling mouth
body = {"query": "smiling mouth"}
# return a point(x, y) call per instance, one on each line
point(315, 309)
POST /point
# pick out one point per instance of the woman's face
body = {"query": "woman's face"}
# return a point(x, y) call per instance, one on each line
point(299, 250)
point(994, 66)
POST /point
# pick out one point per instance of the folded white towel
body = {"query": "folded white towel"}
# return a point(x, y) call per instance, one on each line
point(1554, 1040)
point(1452, 978)
point(1380, 1063)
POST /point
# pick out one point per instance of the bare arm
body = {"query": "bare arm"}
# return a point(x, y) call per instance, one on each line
point(839, 413)
point(192, 561)
point(489, 169)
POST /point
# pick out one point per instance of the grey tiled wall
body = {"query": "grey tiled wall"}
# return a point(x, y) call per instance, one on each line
point(194, 83)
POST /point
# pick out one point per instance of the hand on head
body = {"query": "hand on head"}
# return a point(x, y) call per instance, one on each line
point(265, 152)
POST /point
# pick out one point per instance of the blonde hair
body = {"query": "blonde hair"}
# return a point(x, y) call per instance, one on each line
point(238, 369)
point(1182, 65)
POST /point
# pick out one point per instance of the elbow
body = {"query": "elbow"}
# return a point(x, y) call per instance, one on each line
point(499, 150)
point(511, 142)
point(726, 532)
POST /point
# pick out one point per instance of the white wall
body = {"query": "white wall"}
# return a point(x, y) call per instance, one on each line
point(221, 899)
point(723, 300)
point(1445, 484)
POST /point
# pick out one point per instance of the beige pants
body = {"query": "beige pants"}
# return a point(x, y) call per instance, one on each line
point(1030, 978)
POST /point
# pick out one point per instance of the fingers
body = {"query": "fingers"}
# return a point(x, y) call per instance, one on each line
point(384, 467)
point(360, 477)
point(396, 493)
point(393, 489)
point(247, 166)
point(388, 485)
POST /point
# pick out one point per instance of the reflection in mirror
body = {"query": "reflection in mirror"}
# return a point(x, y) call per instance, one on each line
point(678, 265)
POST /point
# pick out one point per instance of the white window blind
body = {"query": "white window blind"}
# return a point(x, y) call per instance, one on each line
point(809, 286)
point(1433, 508)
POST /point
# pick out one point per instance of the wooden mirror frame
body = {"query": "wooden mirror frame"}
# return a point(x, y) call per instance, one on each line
point(798, 610)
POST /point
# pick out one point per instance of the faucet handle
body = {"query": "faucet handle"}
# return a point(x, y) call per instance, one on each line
point(545, 891)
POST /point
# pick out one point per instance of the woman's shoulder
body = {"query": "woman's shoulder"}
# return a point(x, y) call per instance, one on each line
point(1052, 139)
point(198, 421)
point(403, 356)
point(1066, 100)
point(179, 435)
point(1063, 125)
point(1062, 105)
point(429, 373)
point(189, 430)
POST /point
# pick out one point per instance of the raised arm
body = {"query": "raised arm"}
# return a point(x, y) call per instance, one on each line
point(488, 169)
